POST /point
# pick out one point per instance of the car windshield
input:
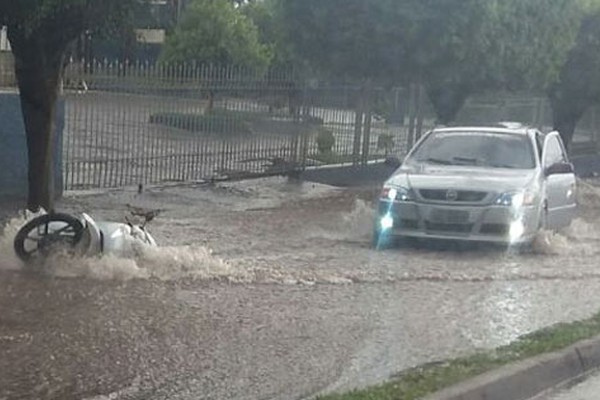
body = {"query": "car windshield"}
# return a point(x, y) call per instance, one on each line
point(482, 149)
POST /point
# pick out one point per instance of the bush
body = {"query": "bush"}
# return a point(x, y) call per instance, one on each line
point(218, 123)
point(325, 141)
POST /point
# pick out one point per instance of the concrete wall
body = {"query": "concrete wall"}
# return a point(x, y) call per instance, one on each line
point(13, 148)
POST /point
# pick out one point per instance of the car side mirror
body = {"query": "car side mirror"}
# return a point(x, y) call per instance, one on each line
point(393, 162)
point(560, 168)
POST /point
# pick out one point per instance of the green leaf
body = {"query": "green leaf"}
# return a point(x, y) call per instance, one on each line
point(216, 32)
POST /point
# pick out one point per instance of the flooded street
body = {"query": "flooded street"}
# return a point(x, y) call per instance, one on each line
point(269, 290)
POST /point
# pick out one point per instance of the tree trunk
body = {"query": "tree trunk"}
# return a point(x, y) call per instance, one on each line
point(447, 100)
point(38, 69)
point(565, 123)
point(567, 110)
point(566, 129)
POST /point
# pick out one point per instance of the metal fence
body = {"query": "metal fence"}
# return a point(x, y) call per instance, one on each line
point(138, 123)
point(132, 123)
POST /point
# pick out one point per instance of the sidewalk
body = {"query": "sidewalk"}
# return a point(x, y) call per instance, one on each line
point(589, 389)
point(531, 378)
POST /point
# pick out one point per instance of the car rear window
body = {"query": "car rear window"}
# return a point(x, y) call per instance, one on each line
point(485, 149)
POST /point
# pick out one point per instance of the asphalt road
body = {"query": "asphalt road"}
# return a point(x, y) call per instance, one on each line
point(269, 290)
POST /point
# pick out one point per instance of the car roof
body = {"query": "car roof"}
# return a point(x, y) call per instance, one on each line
point(508, 128)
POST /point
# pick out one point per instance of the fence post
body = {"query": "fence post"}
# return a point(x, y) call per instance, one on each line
point(299, 98)
point(420, 111)
point(368, 98)
point(412, 111)
point(295, 139)
point(358, 126)
point(304, 140)
point(594, 113)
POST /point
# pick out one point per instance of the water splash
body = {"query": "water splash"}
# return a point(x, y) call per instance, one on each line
point(165, 263)
point(8, 259)
point(550, 243)
point(141, 262)
point(161, 263)
point(359, 222)
point(355, 225)
point(583, 235)
point(588, 196)
point(177, 263)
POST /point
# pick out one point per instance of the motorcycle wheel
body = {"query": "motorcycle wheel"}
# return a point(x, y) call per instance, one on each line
point(42, 233)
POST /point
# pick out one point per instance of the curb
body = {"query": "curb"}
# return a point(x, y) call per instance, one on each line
point(529, 378)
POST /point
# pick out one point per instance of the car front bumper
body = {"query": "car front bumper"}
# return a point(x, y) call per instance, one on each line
point(482, 223)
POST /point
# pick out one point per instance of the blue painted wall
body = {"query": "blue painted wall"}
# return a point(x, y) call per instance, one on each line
point(13, 148)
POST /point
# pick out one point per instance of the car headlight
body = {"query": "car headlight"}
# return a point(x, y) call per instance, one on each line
point(517, 228)
point(519, 199)
point(387, 222)
point(396, 193)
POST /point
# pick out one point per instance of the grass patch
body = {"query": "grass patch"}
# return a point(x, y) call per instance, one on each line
point(249, 116)
point(423, 380)
point(218, 122)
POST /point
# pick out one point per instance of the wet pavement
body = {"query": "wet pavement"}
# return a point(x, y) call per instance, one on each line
point(269, 290)
point(586, 390)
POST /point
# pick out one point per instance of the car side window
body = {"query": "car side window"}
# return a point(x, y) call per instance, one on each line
point(554, 153)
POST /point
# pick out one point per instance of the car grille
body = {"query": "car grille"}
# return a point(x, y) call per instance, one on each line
point(465, 196)
point(455, 228)
point(449, 216)
point(495, 229)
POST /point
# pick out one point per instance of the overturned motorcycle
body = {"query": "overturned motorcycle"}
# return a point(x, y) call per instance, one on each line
point(50, 233)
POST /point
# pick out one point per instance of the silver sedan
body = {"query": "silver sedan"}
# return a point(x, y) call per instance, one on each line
point(484, 184)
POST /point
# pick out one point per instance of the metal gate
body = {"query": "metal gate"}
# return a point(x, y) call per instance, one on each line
point(128, 124)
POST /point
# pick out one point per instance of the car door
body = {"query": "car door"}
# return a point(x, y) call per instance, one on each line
point(560, 183)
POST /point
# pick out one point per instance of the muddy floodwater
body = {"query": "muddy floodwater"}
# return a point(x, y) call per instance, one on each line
point(269, 290)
